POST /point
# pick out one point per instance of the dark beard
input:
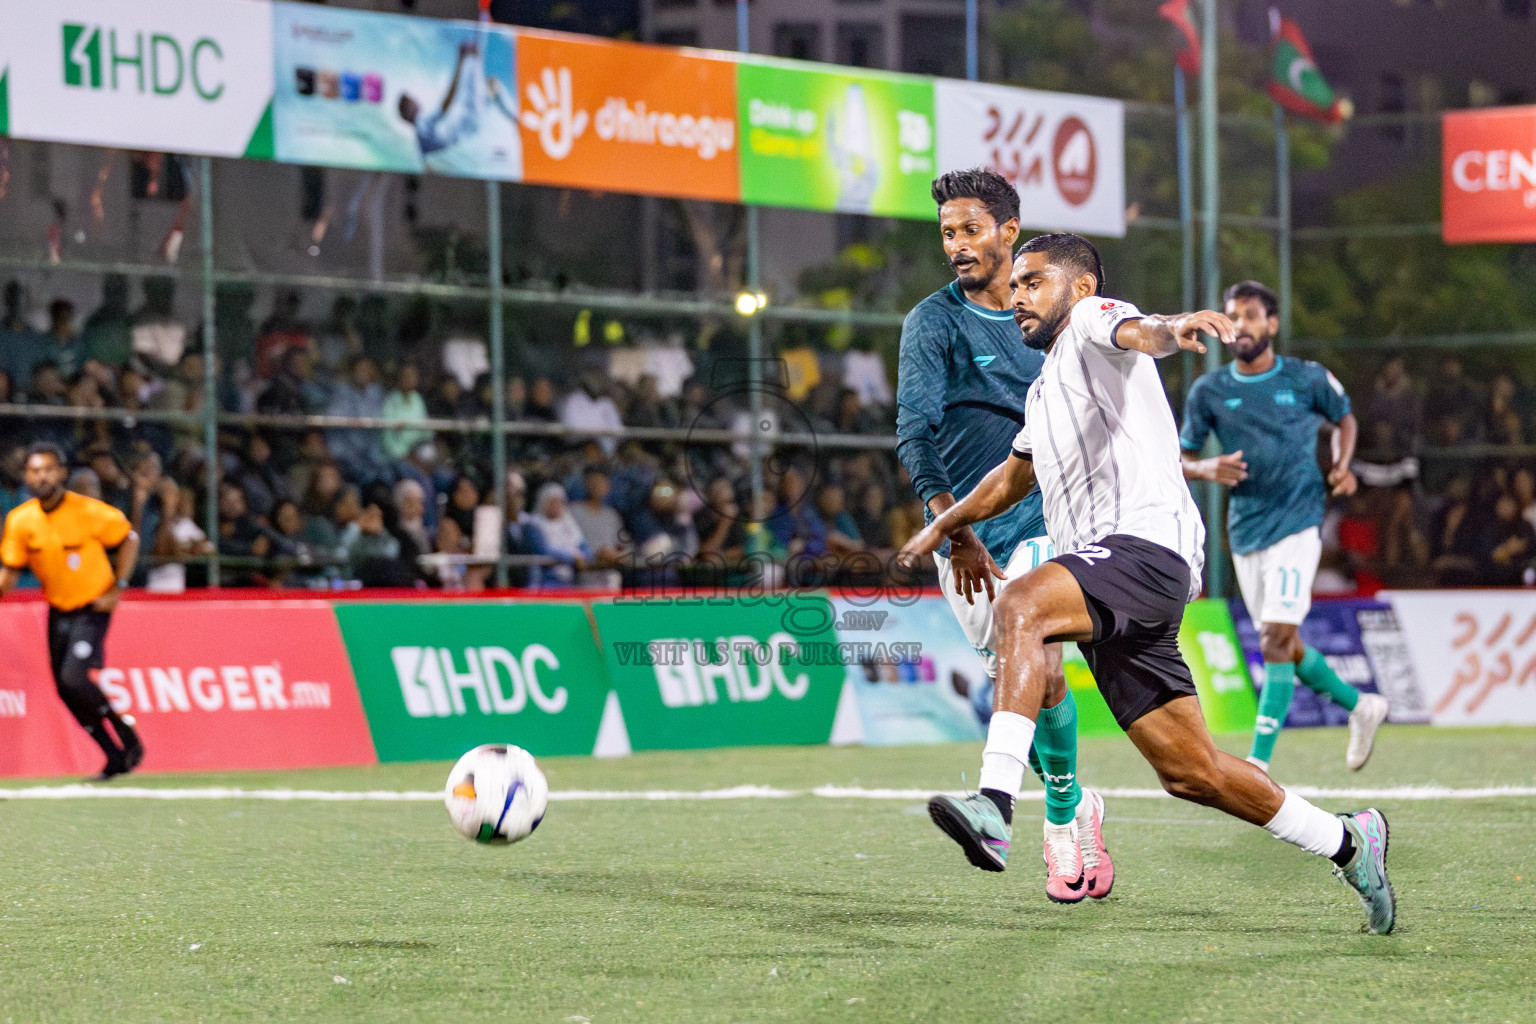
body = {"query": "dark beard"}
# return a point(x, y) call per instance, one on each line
point(975, 275)
point(1040, 336)
point(1253, 350)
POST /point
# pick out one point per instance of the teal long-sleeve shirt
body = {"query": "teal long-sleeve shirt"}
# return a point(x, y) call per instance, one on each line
point(961, 380)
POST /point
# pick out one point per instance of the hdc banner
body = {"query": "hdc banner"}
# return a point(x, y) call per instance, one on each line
point(214, 686)
point(184, 76)
point(1064, 153)
point(724, 673)
point(1488, 176)
point(439, 677)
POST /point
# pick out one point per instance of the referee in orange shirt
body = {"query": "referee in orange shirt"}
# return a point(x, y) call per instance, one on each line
point(65, 538)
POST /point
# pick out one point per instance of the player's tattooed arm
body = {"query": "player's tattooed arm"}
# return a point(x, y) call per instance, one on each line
point(1001, 489)
point(1160, 336)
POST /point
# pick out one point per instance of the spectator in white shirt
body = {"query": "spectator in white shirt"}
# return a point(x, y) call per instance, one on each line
point(589, 408)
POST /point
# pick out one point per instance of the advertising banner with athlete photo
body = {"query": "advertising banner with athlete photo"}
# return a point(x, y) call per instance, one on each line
point(1474, 653)
point(1488, 176)
point(180, 76)
point(724, 673)
point(849, 141)
point(1064, 153)
point(624, 117)
point(914, 674)
point(1361, 642)
point(439, 677)
point(383, 92)
point(211, 685)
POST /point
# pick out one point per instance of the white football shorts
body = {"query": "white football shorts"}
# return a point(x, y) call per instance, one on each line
point(976, 619)
point(1277, 581)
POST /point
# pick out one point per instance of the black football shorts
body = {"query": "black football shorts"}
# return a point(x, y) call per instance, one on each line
point(1135, 591)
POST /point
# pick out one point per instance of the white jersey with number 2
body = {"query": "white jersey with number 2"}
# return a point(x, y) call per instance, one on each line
point(1103, 441)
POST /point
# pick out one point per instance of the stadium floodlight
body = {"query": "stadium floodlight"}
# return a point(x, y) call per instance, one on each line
point(751, 303)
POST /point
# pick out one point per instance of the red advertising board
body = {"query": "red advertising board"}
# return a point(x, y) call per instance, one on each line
point(213, 686)
point(1488, 175)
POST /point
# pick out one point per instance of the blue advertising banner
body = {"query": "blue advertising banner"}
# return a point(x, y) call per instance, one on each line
point(1361, 641)
point(384, 92)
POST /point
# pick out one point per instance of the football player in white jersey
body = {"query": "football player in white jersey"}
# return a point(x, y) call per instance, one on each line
point(1101, 442)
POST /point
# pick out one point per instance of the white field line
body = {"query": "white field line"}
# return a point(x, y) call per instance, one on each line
point(86, 792)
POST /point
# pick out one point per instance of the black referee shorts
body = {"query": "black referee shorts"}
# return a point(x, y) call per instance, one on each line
point(75, 642)
point(1135, 591)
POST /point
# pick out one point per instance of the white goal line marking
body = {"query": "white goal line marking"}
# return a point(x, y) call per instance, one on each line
point(85, 792)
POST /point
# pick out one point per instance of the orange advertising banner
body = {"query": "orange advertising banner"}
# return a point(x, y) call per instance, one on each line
point(624, 117)
point(1488, 186)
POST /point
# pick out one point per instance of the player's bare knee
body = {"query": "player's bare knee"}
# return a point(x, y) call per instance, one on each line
point(1277, 642)
point(1018, 613)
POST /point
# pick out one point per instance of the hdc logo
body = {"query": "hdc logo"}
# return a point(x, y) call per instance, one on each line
point(163, 66)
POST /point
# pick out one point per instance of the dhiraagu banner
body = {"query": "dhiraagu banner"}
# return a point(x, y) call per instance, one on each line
point(854, 142)
point(437, 678)
point(386, 92)
point(183, 76)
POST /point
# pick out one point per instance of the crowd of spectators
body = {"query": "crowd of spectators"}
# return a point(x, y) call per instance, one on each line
point(1427, 514)
point(350, 505)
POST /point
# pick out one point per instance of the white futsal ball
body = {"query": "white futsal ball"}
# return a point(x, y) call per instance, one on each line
point(496, 794)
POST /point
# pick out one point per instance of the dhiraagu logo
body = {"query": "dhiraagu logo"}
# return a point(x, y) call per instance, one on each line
point(148, 63)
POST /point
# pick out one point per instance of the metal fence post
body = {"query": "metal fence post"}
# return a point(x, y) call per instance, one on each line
point(754, 323)
point(210, 376)
point(1283, 215)
point(1215, 567)
point(498, 368)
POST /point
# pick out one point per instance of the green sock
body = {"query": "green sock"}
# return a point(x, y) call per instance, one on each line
point(1314, 671)
point(1054, 759)
point(1274, 702)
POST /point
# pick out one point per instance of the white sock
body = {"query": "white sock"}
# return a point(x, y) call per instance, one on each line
point(1006, 754)
point(1307, 826)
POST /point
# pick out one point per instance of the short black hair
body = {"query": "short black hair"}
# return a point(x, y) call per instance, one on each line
point(1074, 252)
point(48, 448)
point(985, 186)
point(1253, 290)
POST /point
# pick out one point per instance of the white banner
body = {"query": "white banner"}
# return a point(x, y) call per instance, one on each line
point(183, 76)
point(1474, 652)
point(1064, 153)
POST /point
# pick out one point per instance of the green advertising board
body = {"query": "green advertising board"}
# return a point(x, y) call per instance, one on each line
point(1208, 641)
point(723, 674)
point(439, 678)
point(854, 143)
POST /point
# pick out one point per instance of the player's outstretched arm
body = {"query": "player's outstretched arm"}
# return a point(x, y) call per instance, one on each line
point(1000, 490)
point(1160, 336)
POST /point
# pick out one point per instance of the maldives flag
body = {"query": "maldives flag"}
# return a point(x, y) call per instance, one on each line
point(1177, 11)
point(1294, 80)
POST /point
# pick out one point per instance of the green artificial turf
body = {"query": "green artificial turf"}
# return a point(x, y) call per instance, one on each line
point(796, 909)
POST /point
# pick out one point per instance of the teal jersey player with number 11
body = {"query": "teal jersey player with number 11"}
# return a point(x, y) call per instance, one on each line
point(1264, 410)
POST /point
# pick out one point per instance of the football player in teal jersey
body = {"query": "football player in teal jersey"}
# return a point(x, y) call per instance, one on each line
point(1265, 410)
